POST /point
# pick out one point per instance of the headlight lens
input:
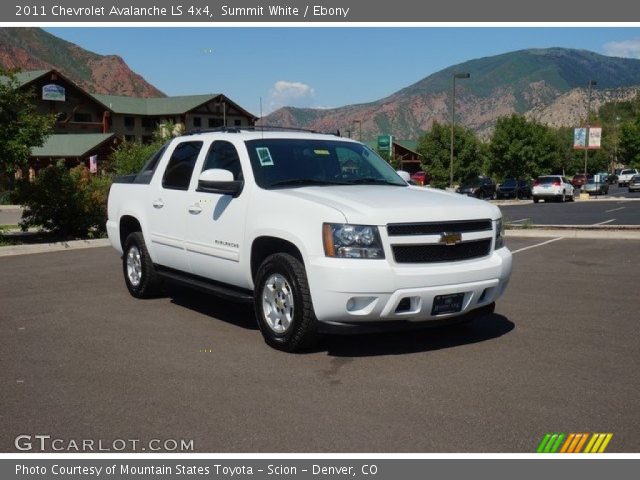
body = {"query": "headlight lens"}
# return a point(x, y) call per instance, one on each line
point(351, 241)
point(499, 234)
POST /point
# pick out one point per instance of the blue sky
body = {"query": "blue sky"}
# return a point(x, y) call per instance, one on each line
point(320, 67)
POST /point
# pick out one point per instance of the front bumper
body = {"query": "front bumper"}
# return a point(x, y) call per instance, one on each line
point(361, 291)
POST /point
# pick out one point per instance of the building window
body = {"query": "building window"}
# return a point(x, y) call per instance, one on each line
point(237, 122)
point(215, 122)
point(197, 122)
point(147, 139)
point(148, 123)
point(130, 138)
point(82, 117)
point(129, 122)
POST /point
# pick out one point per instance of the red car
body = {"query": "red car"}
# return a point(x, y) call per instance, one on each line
point(421, 178)
point(578, 180)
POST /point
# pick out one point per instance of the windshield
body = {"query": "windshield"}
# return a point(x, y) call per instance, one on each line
point(509, 182)
point(279, 163)
point(546, 180)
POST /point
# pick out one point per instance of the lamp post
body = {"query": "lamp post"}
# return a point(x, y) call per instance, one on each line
point(453, 120)
point(592, 83)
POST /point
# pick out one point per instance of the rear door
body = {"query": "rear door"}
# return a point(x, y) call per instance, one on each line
point(167, 206)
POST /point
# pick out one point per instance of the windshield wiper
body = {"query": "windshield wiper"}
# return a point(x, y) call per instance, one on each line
point(375, 181)
point(304, 181)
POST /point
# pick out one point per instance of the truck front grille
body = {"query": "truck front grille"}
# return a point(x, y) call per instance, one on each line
point(435, 228)
point(434, 253)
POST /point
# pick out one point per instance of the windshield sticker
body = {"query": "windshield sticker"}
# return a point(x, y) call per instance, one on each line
point(321, 151)
point(265, 156)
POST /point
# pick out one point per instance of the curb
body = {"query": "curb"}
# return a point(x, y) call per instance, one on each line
point(10, 208)
point(587, 233)
point(52, 247)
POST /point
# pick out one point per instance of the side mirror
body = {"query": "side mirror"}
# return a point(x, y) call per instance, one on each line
point(404, 175)
point(217, 180)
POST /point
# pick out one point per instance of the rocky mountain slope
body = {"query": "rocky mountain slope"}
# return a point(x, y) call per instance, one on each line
point(545, 84)
point(35, 49)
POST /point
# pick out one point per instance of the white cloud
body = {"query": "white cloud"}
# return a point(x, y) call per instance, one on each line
point(290, 94)
point(624, 48)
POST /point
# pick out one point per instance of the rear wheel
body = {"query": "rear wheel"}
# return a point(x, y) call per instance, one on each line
point(536, 199)
point(139, 273)
point(283, 304)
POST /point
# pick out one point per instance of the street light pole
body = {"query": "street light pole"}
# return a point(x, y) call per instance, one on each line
point(586, 138)
point(453, 120)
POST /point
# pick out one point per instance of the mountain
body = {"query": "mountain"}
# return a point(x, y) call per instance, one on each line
point(546, 84)
point(35, 49)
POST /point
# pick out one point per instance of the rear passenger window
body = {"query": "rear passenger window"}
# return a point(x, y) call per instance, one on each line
point(180, 167)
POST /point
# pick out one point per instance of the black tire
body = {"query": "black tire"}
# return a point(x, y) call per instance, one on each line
point(301, 333)
point(149, 285)
point(536, 199)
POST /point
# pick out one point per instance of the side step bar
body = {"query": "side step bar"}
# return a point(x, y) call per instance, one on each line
point(205, 285)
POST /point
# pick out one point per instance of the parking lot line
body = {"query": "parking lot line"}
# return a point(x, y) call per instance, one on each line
point(614, 209)
point(521, 220)
point(537, 245)
point(606, 221)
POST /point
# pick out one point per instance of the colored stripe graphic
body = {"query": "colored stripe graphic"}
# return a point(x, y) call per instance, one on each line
point(574, 443)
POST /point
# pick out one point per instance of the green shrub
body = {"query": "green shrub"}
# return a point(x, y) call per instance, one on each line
point(67, 202)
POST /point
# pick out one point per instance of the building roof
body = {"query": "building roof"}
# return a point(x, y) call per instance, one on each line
point(70, 145)
point(24, 78)
point(153, 106)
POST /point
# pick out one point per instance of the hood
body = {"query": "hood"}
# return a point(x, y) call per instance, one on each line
point(383, 204)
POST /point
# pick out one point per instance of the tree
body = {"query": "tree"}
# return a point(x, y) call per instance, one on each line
point(22, 127)
point(522, 148)
point(630, 144)
point(435, 147)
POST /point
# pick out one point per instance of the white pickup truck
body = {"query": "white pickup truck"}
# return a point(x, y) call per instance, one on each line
point(318, 231)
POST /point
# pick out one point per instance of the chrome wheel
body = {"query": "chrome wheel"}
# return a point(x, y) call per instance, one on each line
point(134, 266)
point(277, 303)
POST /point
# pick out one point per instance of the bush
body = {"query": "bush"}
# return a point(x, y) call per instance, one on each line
point(130, 157)
point(67, 202)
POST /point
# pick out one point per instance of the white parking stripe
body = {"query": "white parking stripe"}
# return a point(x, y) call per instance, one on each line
point(614, 209)
point(521, 220)
point(606, 221)
point(537, 245)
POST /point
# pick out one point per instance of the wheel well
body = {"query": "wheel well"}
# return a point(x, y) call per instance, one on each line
point(128, 225)
point(264, 246)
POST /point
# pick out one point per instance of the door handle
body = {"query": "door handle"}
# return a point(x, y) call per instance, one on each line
point(195, 209)
point(158, 203)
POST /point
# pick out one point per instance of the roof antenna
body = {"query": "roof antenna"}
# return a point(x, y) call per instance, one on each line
point(261, 123)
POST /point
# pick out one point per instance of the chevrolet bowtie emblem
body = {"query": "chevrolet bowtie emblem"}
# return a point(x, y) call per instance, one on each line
point(450, 238)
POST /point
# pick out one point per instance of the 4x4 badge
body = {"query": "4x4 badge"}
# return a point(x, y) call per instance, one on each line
point(450, 238)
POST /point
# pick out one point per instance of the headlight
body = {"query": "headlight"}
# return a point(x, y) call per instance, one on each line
point(499, 234)
point(351, 241)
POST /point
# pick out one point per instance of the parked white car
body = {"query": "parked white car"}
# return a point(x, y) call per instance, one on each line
point(319, 232)
point(552, 187)
point(625, 175)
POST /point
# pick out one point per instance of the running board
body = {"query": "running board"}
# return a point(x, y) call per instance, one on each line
point(205, 285)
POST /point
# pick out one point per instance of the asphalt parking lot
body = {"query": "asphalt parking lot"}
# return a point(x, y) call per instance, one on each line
point(81, 359)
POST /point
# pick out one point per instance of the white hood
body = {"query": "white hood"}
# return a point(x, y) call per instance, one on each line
point(383, 204)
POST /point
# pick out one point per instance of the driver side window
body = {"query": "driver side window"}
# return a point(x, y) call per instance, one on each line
point(225, 156)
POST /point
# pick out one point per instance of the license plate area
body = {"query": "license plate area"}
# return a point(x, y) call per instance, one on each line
point(451, 303)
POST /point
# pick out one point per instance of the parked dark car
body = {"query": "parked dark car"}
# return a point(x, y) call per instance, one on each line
point(479, 187)
point(578, 180)
point(612, 178)
point(512, 188)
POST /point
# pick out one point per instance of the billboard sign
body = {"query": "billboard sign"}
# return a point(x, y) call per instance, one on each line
point(580, 138)
point(53, 92)
point(385, 143)
point(595, 137)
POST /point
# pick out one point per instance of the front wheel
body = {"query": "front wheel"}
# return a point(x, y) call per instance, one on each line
point(283, 304)
point(139, 273)
point(536, 199)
